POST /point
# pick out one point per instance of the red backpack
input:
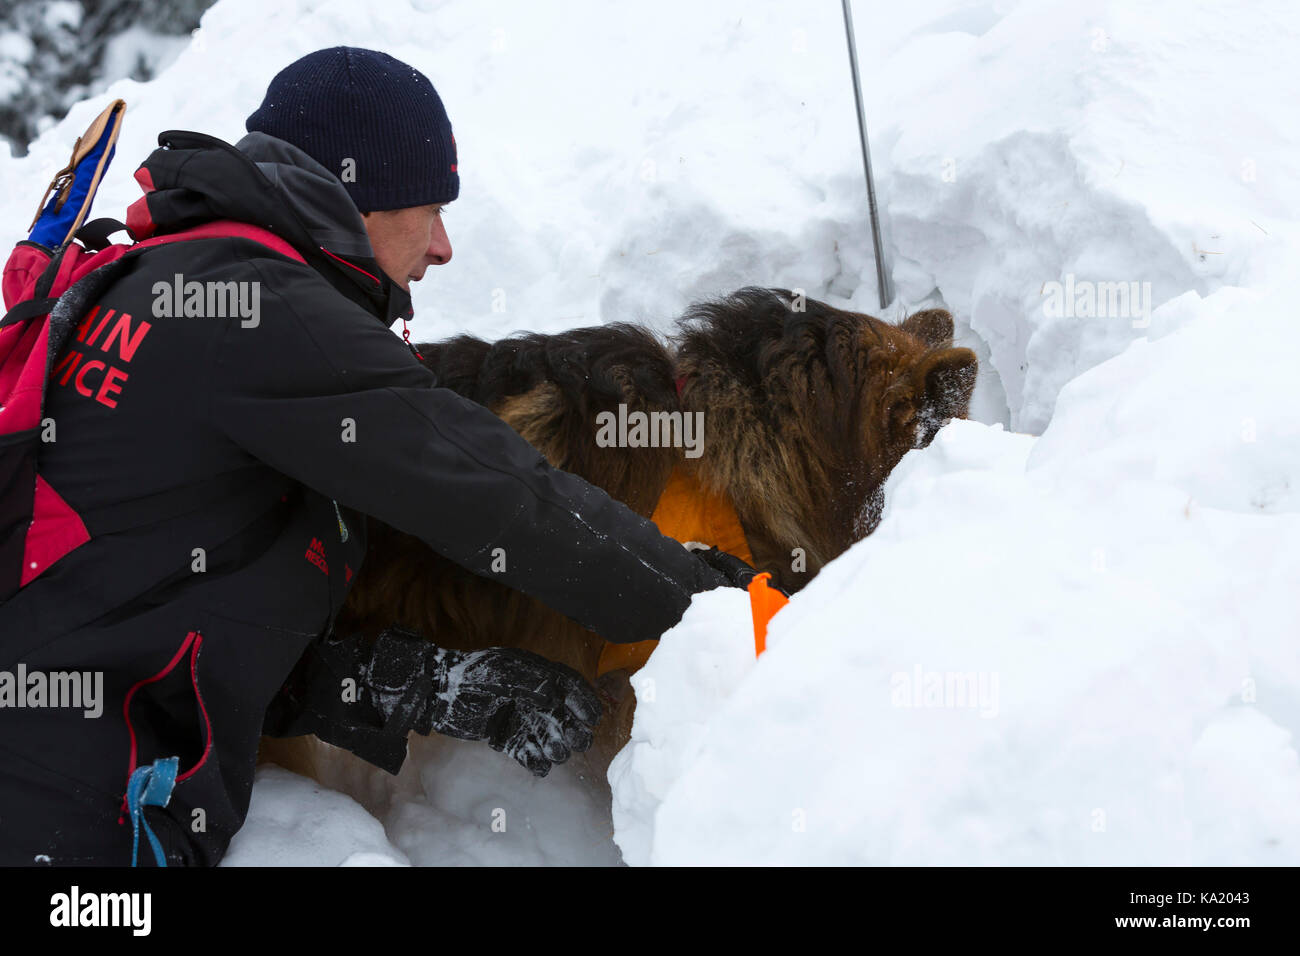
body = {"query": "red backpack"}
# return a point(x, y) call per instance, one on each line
point(37, 527)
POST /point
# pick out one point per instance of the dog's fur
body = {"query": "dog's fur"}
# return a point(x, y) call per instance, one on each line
point(807, 409)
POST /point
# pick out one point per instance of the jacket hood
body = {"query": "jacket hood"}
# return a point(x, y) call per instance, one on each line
point(194, 178)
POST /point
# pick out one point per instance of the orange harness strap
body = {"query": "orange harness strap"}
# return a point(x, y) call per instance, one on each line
point(687, 512)
point(764, 602)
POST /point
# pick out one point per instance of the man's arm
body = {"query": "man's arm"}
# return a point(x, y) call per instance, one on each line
point(321, 391)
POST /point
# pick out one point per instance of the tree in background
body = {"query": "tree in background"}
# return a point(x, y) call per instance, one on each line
point(54, 53)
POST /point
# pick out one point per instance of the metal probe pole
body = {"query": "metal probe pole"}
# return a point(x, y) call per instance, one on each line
point(882, 272)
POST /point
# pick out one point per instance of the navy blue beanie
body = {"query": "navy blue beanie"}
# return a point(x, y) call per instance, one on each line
point(346, 103)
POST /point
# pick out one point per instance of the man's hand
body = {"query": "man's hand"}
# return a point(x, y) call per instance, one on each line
point(737, 572)
point(537, 711)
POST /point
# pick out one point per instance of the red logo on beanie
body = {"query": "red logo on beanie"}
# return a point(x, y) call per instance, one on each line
point(453, 151)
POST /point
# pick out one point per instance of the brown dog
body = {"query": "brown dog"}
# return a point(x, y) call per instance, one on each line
point(806, 410)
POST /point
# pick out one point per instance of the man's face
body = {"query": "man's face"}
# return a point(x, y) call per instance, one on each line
point(408, 241)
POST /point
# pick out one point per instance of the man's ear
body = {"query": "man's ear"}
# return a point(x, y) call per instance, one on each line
point(944, 381)
point(931, 326)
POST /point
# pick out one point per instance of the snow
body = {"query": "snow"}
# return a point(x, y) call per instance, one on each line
point(455, 803)
point(294, 822)
point(137, 47)
point(1021, 666)
point(1072, 638)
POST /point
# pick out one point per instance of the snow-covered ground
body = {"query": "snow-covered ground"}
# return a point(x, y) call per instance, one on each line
point(1073, 638)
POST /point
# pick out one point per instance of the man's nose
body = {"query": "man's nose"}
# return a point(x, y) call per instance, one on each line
point(439, 251)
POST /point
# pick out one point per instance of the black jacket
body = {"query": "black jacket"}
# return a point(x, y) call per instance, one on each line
point(223, 474)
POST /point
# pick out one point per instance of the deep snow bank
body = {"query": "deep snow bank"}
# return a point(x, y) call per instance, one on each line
point(1108, 142)
point(1075, 649)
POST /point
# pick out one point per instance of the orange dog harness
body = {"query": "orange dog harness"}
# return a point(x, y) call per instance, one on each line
point(686, 511)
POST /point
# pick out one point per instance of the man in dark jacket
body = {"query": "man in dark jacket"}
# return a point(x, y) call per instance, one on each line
point(224, 472)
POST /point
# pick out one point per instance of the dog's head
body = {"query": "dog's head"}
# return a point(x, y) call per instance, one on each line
point(808, 408)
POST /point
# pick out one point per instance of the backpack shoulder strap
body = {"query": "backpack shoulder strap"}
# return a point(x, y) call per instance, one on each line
point(96, 235)
point(227, 229)
point(29, 309)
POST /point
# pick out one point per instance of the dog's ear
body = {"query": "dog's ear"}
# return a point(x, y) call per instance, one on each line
point(944, 381)
point(936, 390)
point(931, 326)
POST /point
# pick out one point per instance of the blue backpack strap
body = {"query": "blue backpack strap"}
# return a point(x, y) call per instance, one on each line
point(150, 786)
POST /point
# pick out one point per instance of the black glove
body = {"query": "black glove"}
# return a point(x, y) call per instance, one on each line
point(737, 572)
point(537, 711)
point(533, 709)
